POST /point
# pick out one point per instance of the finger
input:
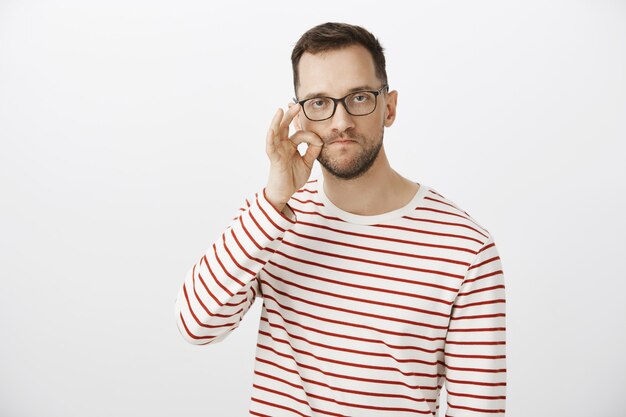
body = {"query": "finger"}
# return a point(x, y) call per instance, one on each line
point(296, 122)
point(286, 120)
point(275, 126)
point(270, 148)
point(306, 136)
point(283, 129)
point(311, 154)
point(314, 145)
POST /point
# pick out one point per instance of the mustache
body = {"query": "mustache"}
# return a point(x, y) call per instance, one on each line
point(343, 135)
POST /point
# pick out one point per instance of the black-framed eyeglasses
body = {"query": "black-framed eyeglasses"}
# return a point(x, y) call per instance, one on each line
point(359, 103)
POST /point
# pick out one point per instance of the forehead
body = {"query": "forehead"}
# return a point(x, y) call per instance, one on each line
point(336, 73)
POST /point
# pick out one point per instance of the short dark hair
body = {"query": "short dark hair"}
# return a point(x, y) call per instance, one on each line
point(333, 35)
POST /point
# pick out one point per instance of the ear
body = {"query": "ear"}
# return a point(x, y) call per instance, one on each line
point(391, 103)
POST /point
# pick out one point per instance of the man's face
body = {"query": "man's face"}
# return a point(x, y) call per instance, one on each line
point(334, 74)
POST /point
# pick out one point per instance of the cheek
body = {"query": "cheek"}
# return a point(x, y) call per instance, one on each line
point(311, 127)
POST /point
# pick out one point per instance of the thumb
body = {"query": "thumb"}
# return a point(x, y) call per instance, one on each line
point(311, 154)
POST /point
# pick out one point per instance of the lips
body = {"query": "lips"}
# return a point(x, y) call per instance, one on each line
point(341, 141)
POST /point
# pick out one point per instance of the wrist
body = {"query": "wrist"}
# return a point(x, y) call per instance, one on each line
point(278, 205)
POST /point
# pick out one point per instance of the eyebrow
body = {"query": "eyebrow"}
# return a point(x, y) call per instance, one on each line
point(352, 90)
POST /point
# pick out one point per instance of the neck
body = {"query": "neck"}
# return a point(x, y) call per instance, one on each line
point(380, 190)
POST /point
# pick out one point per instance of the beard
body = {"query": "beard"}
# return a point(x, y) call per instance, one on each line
point(366, 151)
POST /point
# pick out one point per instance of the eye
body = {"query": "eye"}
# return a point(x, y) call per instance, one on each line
point(318, 102)
point(361, 97)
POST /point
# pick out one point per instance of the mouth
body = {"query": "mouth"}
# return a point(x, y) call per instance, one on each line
point(341, 142)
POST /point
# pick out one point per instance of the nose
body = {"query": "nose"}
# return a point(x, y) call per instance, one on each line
point(341, 120)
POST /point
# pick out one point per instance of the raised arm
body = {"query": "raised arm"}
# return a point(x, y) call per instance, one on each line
point(221, 286)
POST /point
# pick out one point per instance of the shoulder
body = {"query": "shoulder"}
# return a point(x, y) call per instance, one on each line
point(439, 205)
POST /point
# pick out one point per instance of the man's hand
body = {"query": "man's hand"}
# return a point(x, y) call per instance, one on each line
point(289, 170)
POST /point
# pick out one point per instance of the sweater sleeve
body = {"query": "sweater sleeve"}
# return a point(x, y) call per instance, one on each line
point(475, 349)
point(221, 286)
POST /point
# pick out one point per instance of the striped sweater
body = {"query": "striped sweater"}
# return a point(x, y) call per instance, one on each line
point(361, 315)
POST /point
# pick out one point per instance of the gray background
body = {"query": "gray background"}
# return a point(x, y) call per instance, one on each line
point(132, 130)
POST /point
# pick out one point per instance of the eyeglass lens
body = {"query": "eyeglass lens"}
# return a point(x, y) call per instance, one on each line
point(359, 104)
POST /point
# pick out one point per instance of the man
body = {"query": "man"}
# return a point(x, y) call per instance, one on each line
point(376, 289)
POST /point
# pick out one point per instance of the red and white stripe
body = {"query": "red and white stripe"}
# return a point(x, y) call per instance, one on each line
point(358, 319)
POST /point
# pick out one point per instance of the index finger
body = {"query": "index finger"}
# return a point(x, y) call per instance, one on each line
point(287, 118)
point(275, 124)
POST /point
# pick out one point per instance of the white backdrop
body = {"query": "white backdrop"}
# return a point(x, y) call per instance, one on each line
point(132, 130)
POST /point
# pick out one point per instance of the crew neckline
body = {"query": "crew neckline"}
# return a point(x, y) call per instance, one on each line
point(373, 219)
